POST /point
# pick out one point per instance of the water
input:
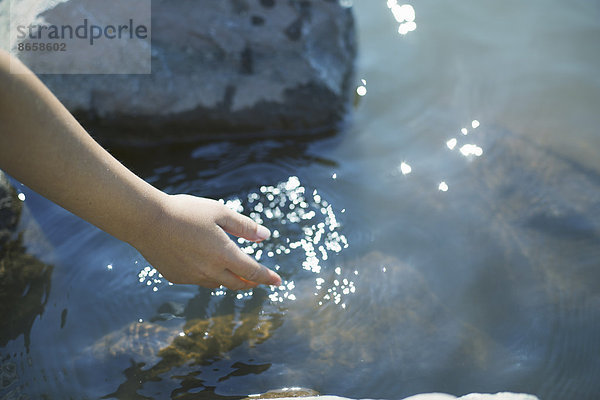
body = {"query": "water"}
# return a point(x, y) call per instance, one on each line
point(427, 270)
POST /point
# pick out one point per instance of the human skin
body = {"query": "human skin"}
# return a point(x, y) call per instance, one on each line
point(182, 236)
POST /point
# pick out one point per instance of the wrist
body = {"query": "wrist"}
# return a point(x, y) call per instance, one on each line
point(146, 220)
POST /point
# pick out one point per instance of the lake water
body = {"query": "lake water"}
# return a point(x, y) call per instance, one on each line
point(447, 240)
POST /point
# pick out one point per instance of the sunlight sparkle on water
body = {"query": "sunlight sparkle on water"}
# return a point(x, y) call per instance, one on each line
point(451, 143)
point(361, 90)
point(150, 277)
point(468, 149)
point(305, 235)
point(406, 27)
point(405, 168)
point(471, 149)
point(403, 14)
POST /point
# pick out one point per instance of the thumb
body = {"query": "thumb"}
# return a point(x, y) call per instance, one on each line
point(242, 226)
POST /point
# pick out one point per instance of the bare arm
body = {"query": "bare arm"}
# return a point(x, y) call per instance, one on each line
point(43, 146)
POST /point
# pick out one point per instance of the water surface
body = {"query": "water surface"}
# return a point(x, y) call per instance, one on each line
point(447, 240)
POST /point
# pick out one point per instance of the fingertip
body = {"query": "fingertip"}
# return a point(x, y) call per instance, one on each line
point(275, 279)
point(262, 233)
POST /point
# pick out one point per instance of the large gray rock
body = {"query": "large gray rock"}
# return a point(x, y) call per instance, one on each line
point(222, 67)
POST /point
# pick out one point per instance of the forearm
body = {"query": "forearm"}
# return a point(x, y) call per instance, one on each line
point(42, 145)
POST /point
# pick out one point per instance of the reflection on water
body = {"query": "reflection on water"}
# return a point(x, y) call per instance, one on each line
point(467, 149)
point(304, 229)
point(362, 89)
point(405, 168)
point(404, 15)
point(149, 276)
point(451, 144)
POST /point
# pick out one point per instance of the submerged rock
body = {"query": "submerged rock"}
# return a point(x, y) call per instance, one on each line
point(24, 280)
point(198, 340)
point(24, 290)
point(205, 339)
point(403, 319)
point(162, 348)
point(285, 393)
point(141, 341)
point(220, 67)
point(430, 396)
point(10, 209)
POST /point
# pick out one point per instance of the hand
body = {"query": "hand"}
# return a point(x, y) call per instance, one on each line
point(187, 243)
point(42, 145)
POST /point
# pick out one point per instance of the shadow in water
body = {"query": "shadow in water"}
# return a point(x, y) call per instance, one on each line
point(181, 164)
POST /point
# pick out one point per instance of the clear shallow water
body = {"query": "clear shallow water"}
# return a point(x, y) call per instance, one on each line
point(491, 285)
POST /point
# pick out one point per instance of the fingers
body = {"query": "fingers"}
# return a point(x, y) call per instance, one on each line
point(239, 263)
point(242, 226)
point(234, 282)
point(248, 269)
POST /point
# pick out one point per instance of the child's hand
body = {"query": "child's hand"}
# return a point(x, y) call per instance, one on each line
point(187, 243)
point(42, 145)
